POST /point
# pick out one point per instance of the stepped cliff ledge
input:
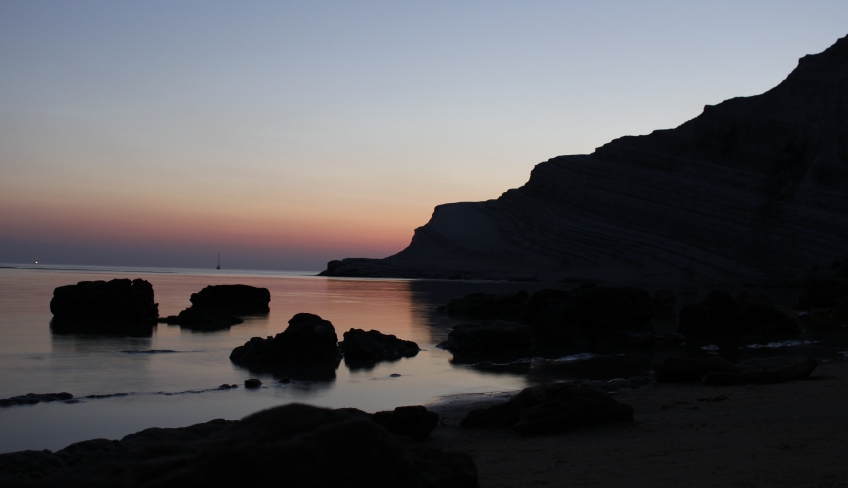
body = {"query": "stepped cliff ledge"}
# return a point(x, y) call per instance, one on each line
point(754, 189)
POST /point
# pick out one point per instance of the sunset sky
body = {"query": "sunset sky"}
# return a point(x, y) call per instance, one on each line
point(286, 134)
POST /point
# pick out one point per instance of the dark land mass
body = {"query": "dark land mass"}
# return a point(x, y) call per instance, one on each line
point(751, 190)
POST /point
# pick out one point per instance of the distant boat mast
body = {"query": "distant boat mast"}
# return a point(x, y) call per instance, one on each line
point(219, 261)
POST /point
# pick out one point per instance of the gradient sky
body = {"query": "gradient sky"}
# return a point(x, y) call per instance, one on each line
point(286, 134)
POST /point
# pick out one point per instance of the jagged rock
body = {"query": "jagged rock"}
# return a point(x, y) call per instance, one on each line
point(551, 408)
point(196, 318)
point(233, 299)
point(104, 306)
point(753, 189)
point(28, 465)
point(494, 337)
point(690, 369)
point(305, 445)
point(719, 315)
point(33, 398)
point(306, 349)
point(412, 421)
point(360, 347)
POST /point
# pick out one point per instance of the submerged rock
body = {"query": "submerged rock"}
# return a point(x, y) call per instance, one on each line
point(360, 347)
point(233, 299)
point(298, 445)
point(104, 306)
point(203, 319)
point(33, 398)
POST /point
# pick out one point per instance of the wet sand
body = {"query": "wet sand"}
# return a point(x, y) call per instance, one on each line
point(790, 434)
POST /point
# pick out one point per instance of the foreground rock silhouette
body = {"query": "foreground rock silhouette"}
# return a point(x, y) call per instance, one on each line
point(752, 189)
point(719, 371)
point(293, 445)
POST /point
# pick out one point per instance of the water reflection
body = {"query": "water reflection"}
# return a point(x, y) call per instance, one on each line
point(118, 329)
point(88, 344)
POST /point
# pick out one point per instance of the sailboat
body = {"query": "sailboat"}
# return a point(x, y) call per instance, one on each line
point(219, 261)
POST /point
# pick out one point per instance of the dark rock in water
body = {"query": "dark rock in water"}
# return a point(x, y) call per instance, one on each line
point(413, 421)
point(86, 451)
point(28, 465)
point(359, 346)
point(285, 381)
point(557, 317)
point(204, 319)
point(305, 446)
point(489, 338)
point(776, 369)
point(104, 306)
point(726, 197)
point(551, 408)
point(233, 299)
point(488, 306)
point(720, 316)
point(252, 383)
point(307, 349)
point(33, 398)
point(690, 369)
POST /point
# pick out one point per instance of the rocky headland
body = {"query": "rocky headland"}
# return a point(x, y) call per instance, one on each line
point(751, 190)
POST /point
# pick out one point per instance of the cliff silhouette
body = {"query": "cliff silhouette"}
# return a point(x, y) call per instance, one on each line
point(753, 189)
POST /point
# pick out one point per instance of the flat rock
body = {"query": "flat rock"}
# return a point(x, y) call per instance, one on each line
point(690, 369)
point(369, 347)
point(33, 398)
point(104, 306)
point(197, 318)
point(233, 299)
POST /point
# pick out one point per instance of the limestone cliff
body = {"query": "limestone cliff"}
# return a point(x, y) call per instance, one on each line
point(754, 188)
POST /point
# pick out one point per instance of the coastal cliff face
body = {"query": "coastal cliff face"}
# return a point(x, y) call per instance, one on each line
point(753, 189)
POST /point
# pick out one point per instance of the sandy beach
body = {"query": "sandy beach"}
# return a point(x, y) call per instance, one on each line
point(790, 434)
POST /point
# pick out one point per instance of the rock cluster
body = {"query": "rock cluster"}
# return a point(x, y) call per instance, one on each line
point(309, 349)
point(551, 408)
point(104, 306)
point(550, 318)
point(718, 371)
point(297, 445)
point(720, 316)
point(751, 189)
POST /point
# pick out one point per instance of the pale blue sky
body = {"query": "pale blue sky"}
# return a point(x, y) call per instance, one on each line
point(286, 134)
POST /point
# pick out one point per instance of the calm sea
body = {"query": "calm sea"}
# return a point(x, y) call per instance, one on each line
point(178, 387)
point(171, 389)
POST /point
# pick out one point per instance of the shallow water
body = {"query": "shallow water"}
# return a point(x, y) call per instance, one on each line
point(169, 389)
point(171, 377)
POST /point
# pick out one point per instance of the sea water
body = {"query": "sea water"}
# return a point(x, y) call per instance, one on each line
point(171, 378)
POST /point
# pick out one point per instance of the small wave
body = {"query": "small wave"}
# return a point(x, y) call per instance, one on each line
point(711, 347)
point(775, 345)
point(583, 356)
point(150, 351)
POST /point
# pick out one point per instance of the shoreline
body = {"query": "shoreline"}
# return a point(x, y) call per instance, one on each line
point(787, 434)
